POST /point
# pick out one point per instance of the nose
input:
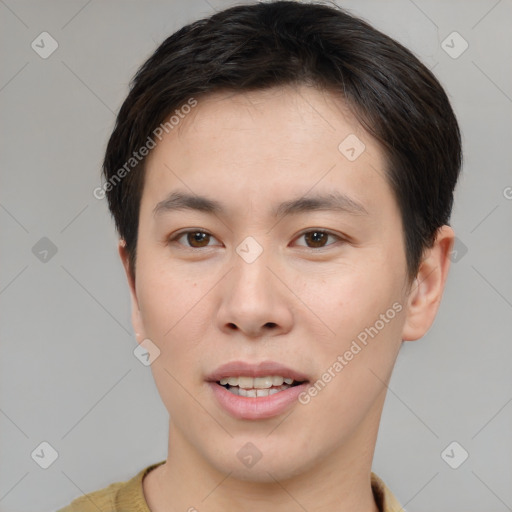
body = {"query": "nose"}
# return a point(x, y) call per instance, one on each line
point(254, 301)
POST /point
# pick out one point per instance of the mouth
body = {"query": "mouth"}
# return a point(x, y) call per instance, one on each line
point(256, 387)
point(256, 391)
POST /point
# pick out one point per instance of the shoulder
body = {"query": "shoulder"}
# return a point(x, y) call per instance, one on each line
point(117, 497)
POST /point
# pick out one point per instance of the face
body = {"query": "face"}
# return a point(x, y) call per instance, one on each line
point(287, 260)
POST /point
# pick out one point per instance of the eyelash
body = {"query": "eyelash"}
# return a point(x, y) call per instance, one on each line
point(181, 234)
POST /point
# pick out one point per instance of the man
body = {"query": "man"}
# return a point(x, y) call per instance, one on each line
point(281, 176)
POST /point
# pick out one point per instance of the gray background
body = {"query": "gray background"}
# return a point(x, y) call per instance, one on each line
point(68, 375)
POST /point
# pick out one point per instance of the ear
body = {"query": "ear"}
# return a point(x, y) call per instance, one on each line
point(426, 291)
point(136, 315)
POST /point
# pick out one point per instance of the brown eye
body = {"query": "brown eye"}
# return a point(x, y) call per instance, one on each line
point(198, 238)
point(317, 239)
point(194, 239)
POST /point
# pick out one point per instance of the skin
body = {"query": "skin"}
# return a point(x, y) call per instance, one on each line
point(202, 305)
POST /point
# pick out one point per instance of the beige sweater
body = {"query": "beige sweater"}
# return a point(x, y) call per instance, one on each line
point(129, 496)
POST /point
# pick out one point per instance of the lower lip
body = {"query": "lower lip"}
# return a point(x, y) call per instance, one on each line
point(249, 408)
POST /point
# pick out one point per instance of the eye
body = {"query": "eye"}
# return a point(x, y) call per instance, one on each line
point(198, 239)
point(195, 238)
point(317, 238)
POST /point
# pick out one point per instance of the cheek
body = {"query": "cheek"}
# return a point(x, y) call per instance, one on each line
point(355, 361)
point(176, 320)
point(173, 309)
point(350, 299)
point(365, 315)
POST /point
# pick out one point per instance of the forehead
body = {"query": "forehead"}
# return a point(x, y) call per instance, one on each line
point(283, 114)
point(258, 145)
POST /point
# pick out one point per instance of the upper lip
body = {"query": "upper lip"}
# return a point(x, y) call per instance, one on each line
point(261, 369)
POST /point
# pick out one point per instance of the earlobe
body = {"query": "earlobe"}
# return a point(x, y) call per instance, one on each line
point(427, 290)
point(136, 315)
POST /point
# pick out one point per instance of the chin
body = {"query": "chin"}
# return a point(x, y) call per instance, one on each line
point(264, 473)
point(265, 464)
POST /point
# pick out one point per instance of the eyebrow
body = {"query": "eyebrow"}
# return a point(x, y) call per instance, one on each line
point(334, 201)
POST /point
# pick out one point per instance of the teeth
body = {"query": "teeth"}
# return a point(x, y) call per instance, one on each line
point(257, 382)
point(245, 382)
point(263, 382)
point(254, 393)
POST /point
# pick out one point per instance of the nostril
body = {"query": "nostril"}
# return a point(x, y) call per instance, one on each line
point(270, 324)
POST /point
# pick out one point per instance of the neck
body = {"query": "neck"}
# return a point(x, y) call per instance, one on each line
point(339, 481)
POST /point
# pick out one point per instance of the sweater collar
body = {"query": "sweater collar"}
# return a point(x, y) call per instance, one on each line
point(130, 496)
